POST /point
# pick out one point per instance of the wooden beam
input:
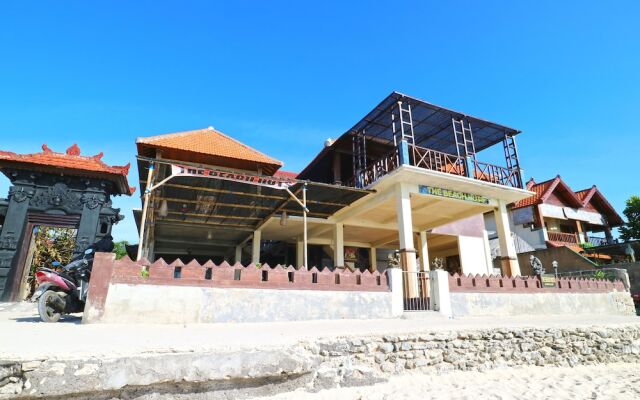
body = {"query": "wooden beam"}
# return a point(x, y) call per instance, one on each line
point(248, 228)
point(212, 215)
point(216, 204)
point(264, 196)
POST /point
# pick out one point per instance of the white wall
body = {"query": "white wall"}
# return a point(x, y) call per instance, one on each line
point(473, 257)
point(163, 304)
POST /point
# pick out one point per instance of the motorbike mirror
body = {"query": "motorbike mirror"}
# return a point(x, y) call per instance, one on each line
point(88, 251)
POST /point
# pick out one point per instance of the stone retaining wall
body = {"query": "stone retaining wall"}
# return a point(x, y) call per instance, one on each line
point(326, 363)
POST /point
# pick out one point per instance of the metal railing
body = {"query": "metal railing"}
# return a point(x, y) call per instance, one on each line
point(599, 241)
point(375, 170)
point(497, 174)
point(415, 286)
point(437, 161)
point(563, 237)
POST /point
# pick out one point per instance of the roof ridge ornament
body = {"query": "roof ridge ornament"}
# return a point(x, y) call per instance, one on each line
point(46, 149)
point(74, 150)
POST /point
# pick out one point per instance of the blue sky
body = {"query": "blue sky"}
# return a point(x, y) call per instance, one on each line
point(284, 76)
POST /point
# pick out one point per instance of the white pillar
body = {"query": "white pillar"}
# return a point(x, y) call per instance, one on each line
point(255, 247)
point(509, 257)
point(394, 276)
point(405, 229)
point(238, 254)
point(300, 254)
point(373, 259)
point(424, 251)
point(487, 252)
point(338, 245)
point(407, 250)
point(440, 299)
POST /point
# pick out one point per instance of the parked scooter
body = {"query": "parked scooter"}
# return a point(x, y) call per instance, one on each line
point(65, 292)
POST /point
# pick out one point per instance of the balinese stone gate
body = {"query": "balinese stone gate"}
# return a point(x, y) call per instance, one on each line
point(55, 189)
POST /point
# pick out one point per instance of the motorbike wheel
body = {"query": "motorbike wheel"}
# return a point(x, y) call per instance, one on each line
point(46, 306)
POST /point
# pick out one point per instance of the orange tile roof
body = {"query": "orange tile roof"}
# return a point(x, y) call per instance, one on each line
point(575, 248)
point(544, 189)
point(540, 190)
point(71, 161)
point(209, 141)
point(286, 174)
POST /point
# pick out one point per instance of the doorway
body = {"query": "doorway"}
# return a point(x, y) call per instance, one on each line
point(46, 245)
point(46, 238)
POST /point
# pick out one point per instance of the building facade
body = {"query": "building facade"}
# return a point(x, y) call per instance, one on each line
point(407, 179)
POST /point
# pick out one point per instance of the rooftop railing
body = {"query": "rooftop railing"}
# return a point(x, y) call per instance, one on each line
point(434, 160)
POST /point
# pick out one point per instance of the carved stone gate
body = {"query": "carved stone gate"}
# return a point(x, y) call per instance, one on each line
point(54, 189)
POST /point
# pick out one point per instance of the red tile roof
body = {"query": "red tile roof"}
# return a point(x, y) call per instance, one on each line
point(70, 162)
point(544, 189)
point(208, 142)
point(577, 199)
point(286, 174)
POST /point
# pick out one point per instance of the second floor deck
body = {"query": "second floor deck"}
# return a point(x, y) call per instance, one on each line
point(405, 131)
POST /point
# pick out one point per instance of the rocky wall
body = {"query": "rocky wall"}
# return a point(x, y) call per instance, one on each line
point(326, 363)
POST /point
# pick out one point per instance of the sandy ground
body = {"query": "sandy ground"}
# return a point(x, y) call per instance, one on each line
point(21, 333)
point(612, 381)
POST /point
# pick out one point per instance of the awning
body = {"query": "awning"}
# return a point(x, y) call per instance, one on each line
point(551, 211)
point(586, 216)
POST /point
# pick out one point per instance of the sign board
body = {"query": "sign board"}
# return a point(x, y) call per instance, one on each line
point(258, 180)
point(453, 194)
point(548, 280)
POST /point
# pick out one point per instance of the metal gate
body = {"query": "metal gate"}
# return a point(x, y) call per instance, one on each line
point(415, 286)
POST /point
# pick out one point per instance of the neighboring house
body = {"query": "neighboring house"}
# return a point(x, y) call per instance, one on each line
point(557, 216)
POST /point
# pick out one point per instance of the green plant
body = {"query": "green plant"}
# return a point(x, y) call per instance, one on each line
point(144, 272)
point(120, 249)
point(599, 274)
point(50, 244)
point(586, 245)
point(632, 211)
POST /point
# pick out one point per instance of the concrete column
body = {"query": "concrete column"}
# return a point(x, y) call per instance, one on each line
point(238, 255)
point(440, 299)
point(509, 257)
point(608, 235)
point(407, 251)
point(487, 252)
point(338, 245)
point(255, 247)
point(394, 276)
point(405, 229)
point(424, 251)
point(373, 260)
point(300, 254)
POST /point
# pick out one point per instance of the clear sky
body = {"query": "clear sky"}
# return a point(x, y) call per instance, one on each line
point(284, 76)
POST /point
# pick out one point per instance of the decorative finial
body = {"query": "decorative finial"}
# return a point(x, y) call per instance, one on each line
point(98, 156)
point(46, 148)
point(73, 150)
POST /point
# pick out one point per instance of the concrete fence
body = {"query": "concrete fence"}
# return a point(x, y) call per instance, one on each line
point(460, 296)
point(530, 284)
point(124, 291)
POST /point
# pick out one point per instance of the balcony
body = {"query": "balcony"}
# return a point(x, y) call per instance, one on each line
point(568, 238)
point(434, 160)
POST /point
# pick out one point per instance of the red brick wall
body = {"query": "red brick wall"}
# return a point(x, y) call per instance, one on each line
point(503, 284)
